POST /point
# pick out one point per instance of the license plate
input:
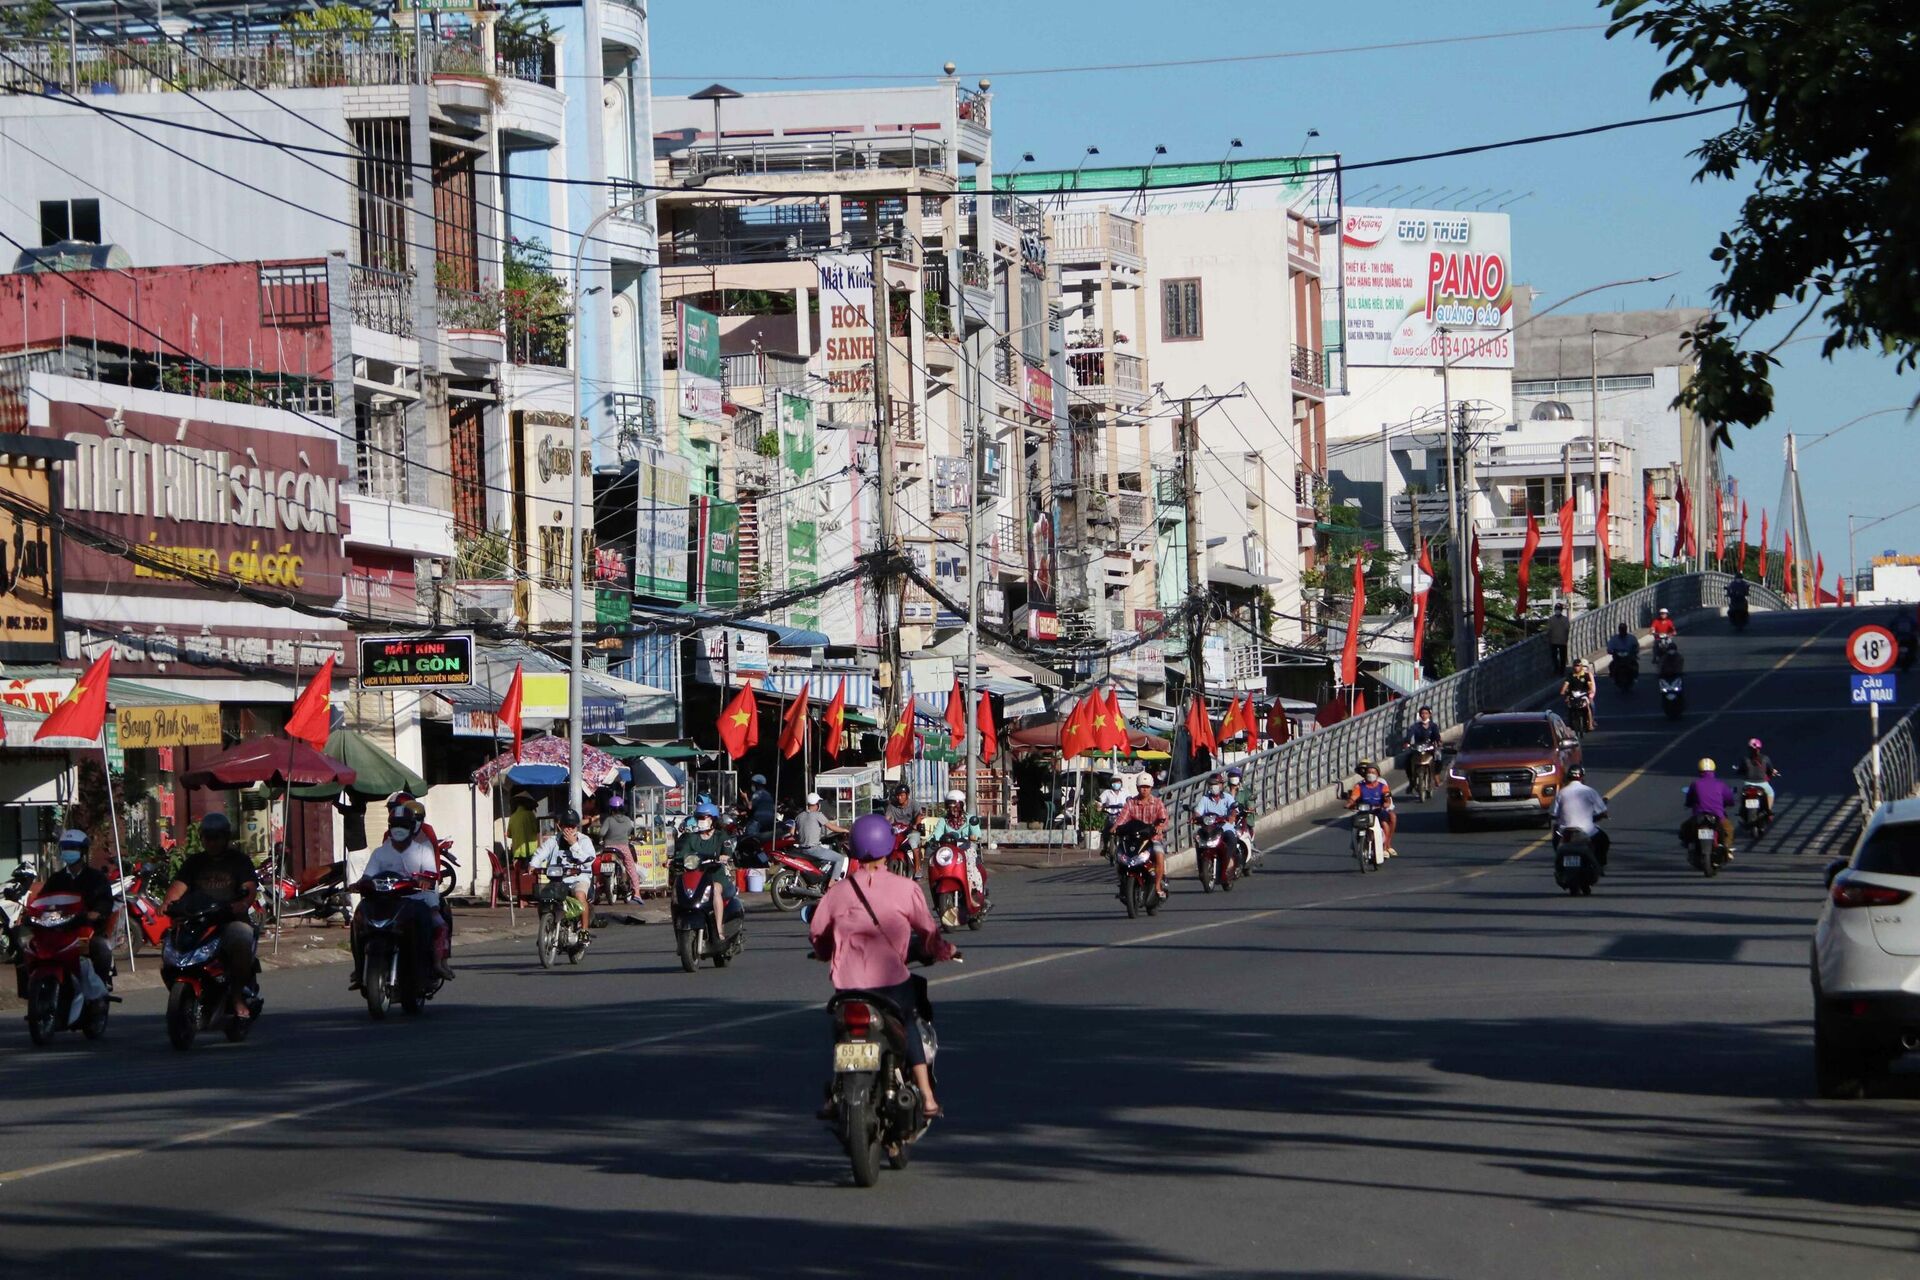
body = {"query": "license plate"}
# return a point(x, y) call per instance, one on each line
point(857, 1056)
point(1572, 861)
point(1500, 788)
point(1753, 804)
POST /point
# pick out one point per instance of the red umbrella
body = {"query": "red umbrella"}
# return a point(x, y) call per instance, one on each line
point(279, 762)
point(1046, 737)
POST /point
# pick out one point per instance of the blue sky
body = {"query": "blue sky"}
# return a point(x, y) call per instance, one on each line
point(1606, 207)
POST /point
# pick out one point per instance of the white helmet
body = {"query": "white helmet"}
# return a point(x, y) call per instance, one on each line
point(956, 797)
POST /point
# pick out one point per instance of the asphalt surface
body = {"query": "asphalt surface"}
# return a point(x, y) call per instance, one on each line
point(1445, 1069)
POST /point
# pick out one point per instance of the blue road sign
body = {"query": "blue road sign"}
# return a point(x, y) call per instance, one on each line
point(1867, 689)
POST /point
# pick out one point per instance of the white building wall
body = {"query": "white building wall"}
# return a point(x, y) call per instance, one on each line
point(1378, 397)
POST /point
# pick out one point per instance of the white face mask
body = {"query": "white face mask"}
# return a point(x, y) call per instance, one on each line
point(706, 825)
point(401, 836)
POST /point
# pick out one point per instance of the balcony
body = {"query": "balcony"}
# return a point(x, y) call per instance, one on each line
point(636, 421)
point(1517, 460)
point(1309, 369)
point(1432, 508)
point(1097, 240)
point(1109, 377)
point(900, 153)
point(763, 369)
point(383, 300)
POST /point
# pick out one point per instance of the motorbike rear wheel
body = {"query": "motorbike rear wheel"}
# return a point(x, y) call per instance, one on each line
point(780, 891)
point(183, 1016)
point(547, 944)
point(93, 1024)
point(43, 1010)
point(863, 1135)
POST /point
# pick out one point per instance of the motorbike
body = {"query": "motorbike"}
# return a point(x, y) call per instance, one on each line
point(610, 882)
point(1369, 840)
point(1212, 854)
point(695, 881)
point(449, 877)
point(796, 878)
point(151, 922)
point(1575, 868)
point(1424, 766)
point(1737, 614)
point(1580, 711)
point(1133, 854)
point(905, 859)
point(561, 915)
point(959, 889)
point(13, 909)
point(1706, 847)
point(874, 1105)
point(391, 969)
point(1753, 811)
point(199, 994)
point(62, 991)
point(1673, 698)
point(323, 895)
point(1625, 669)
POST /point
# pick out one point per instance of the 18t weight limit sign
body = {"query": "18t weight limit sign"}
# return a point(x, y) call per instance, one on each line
point(1872, 650)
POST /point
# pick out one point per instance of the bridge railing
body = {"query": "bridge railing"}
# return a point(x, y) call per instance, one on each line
point(1311, 765)
point(1899, 771)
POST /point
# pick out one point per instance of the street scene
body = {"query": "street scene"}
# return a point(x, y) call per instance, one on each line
point(811, 653)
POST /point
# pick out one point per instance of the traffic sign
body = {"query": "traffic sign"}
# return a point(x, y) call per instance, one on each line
point(1872, 650)
point(1868, 690)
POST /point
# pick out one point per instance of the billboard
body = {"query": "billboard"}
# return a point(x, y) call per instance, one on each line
point(700, 397)
point(662, 524)
point(29, 554)
point(845, 281)
point(1426, 287)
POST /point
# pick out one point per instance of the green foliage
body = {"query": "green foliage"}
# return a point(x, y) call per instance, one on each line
point(483, 556)
point(332, 17)
point(1827, 129)
point(768, 445)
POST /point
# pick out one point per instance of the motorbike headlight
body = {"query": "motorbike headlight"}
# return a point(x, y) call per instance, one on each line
point(53, 919)
point(188, 959)
point(944, 858)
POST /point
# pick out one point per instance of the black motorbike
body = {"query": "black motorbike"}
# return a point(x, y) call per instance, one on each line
point(1625, 669)
point(1423, 766)
point(1575, 866)
point(1755, 817)
point(873, 1104)
point(1133, 855)
point(1706, 846)
point(695, 880)
point(201, 994)
point(1738, 613)
point(1673, 697)
point(391, 969)
point(1580, 711)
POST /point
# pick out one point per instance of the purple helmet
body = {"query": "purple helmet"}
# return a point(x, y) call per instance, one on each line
point(871, 838)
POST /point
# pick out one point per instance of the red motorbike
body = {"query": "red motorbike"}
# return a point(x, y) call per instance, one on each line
point(321, 894)
point(136, 893)
point(200, 995)
point(959, 885)
point(62, 991)
point(1214, 854)
point(610, 882)
point(905, 859)
point(794, 879)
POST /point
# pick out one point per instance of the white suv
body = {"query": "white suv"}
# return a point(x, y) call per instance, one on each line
point(1866, 955)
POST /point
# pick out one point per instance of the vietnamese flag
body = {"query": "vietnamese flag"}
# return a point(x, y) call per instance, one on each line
point(1230, 726)
point(1602, 532)
point(311, 719)
point(1479, 591)
point(1786, 569)
point(509, 712)
point(1741, 568)
point(1525, 571)
point(836, 720)
point(1350, 648)
point(82, 714)
point(1566, 546)
point(1199, 727)
point(1819, 573)
point(739, 725)
point(1118, 739)
point(957, 716)
point(1650, 516)
point(1763, 544)
point(1683, 542)
point(793, 725)
point(983, 720)
point(1420, 604)
point(901, 743)
point(1076, 735)
point(1279, 727)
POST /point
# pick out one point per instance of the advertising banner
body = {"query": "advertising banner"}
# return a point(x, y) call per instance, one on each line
point(415, 662)
point(29, 560)
point(803, 570)
point(1043, 619)
point(662, 525)
point(613, 598)
point(845, 281)
point(1038, 391)
point(182, 726)
point(795, 418)
point(700, 366)
point(1428, 286)
point(717, 566)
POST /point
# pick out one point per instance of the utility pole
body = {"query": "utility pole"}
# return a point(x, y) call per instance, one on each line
point(975, 449)
point(887, 613)
point(1593, 426)
point(1458, 522)
point(1189, 489)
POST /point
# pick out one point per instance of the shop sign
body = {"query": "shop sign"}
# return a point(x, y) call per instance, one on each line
point(700, 366)
point(474, 723)
point(212, 652)
point(729, 655)
point(1039, 391)
point(662, 525)
point(29, 559)
point(716, 562)
point(382, 585)
point(145, 728)
point(1427, 287)
point(845, 282)
point(796, 435)
point(603, 715)
point(415, 662)
point(544, 695)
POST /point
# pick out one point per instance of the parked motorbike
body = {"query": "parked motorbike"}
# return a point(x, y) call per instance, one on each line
point(1575, 868)
point(391, 970)
point(1625, 669)
point(1213, 853)
point(449, 878)
point(1133, 854)
point(794, 879)
point(199, 994)
point(1580, 711)
point(1369, 840)
point(57, 979)
point(136, 892)
point(13, 909)
point(1753, 811)
point(959, 888)
point(1673, 698)
point(1424, 767)
point(1706, 847)
point(875, 1107)
point(695, 881)
point(322, 895)
point(1737, 614)
point(562, 928)
point(905, 859)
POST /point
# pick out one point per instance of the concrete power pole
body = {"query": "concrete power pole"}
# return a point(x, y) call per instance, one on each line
point(1197, 624)
point(1459, 521)
point(886, 606)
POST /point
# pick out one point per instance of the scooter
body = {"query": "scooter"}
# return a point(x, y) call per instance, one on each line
point(873, 1105)
point(1575, 868)
point(1625, 669)
point(1133, 855)
point(1706, 848)
point(610, 884)
point(1737, 614)
point(391, 969)
point(1673, 698)
point(1212, 855)
point(149, 920)
point(1369, 840)
point(323, 896)
point(695, 881)
point(449, 877)
point(199, 994)
point(1754, 816)
point(959, 889)
point(57, 979)
point(1580, 711)
point(794, 879)
point(905, 859)
point(13, 909)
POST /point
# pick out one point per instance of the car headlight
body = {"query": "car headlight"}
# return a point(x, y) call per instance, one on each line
point(1455, 774)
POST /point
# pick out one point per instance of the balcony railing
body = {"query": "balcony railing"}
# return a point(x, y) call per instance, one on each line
point(636, 421)
point(469, 309)
point(1308, 366)
point(972, 108)
point(976, 270)
point(832, 154)
point(543, 344)
point(1099, 236)
point(763, 369)
point(1122, 376)
point(383, 300)
point(204, 60)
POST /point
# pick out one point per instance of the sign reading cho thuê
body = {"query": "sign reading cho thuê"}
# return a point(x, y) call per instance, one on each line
point(415, 662)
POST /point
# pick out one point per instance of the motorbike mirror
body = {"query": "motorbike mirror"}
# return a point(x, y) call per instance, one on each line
point(1834, 868)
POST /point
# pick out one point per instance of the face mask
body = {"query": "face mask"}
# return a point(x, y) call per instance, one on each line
point(1215, 789)
point(70, 858)
point(401, 836)
point(706, 825)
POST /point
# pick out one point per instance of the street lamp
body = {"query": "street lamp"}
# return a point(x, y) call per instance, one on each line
point(1874, 413)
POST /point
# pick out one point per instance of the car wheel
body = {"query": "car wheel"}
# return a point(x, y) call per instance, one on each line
point(1839, 1069)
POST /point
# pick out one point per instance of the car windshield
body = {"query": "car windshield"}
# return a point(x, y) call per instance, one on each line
point(1893, 850)
point(1507, 735)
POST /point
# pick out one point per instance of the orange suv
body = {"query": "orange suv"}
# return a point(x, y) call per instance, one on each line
point(1509, 764)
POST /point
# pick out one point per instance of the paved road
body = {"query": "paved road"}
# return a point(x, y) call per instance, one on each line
point(1444, 1070)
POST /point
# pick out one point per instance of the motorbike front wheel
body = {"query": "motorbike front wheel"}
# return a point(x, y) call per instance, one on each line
point(780, 891)
point(379, 997)
point(43, 1010)
point(684, 943)
point(547, 945)
point(1208, 871)
point(183, 1016)
point(1130, 893)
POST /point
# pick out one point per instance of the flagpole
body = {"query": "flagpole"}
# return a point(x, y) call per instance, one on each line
point(113, 825)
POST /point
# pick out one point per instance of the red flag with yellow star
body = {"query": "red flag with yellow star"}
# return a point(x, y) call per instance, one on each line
point(836, 720)
point(83, 712)
point(740, 723)
point(902, 743)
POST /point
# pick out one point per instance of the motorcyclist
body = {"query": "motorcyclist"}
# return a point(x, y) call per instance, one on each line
point(1371, 792)
point(1708, 796)
point(407, 852)
point(1216, 802)
point(1147, 807)
point(903, 813)
point(1244, 802)
point(616, 838)
point(1624, 647)
point(1759, 771)
point(1663, 625)
point(568, 850)
point(1578, 807)
point(1672, 665)
point(1424, 732)
point(763, 815)
point(1739, 589)
point(1559, 627)
point(1580, 680)
point(226, 875)
point(865, 927)
point(705, 839)
point(76, 875)
point(811, 828)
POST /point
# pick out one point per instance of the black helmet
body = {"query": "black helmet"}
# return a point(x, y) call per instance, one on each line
point(568, 818)
point(1575, 773)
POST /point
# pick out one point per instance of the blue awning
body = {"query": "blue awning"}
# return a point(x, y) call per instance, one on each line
point(778, 635)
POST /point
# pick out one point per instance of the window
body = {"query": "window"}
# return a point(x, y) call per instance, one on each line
point(1180, 310)
point(69, 220)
